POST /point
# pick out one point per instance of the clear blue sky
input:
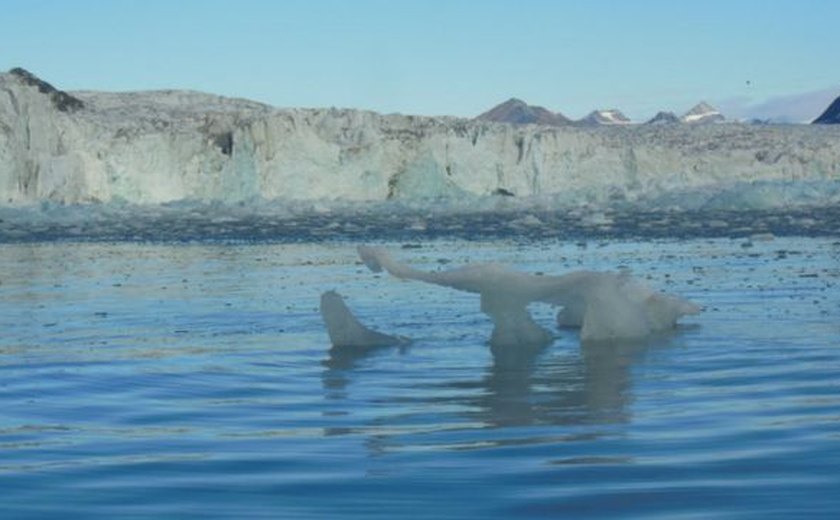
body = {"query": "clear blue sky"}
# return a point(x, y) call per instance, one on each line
point(432, 57)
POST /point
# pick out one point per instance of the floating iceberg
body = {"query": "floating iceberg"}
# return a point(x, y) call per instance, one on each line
point(605, 306)
point(346, 331)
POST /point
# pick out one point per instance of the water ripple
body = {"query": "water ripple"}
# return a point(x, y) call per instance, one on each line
point(143, 380)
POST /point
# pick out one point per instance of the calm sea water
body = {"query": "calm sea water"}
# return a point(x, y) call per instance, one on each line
point(166, 381)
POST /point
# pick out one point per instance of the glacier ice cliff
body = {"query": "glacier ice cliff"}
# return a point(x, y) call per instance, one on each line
point(164, 146)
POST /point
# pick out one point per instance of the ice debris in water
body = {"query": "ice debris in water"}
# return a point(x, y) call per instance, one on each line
point(346, 331)
point(605, 306)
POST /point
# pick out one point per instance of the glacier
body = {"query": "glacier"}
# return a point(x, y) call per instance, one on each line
point(162, 147)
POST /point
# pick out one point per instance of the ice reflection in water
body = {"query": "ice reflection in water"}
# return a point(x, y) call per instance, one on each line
point(557, 385)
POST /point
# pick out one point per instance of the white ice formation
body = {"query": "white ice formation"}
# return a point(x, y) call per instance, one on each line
point(606, 306)
point(165, 146)
point(346, 331)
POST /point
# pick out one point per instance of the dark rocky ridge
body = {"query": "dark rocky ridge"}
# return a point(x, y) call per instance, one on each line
point(516, 111)
point(60, 99)
point(664, 118)
point(831, 116)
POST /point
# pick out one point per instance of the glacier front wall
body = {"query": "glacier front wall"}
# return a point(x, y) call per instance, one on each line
point(157, 147)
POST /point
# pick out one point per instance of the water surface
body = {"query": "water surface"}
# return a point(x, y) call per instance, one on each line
point(196, 380)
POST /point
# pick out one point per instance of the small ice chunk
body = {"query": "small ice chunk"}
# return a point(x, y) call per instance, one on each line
point(762, 237)
point(345, 330)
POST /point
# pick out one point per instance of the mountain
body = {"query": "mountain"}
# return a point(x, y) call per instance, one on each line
point(797, 108)
point(605, 117)
point(517, 112)
point(831, 116)
point(703, 113)
point(663, 118)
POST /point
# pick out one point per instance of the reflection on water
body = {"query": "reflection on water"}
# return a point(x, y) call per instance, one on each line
point(340, 363)
point(590, 385)
point(557, 385)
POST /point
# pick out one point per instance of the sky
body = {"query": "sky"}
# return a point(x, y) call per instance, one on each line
point(751, 58)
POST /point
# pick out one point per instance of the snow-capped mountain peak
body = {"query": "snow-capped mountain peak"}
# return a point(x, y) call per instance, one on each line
point(703, 113)
point(606, 117)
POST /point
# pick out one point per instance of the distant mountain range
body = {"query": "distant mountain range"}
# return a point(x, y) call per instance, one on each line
point(518, 112)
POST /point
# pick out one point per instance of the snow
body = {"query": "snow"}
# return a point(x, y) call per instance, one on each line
point(693, 118)
point(613, 117)
point(606, 117)
point(152, 148)
point(702, 112)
